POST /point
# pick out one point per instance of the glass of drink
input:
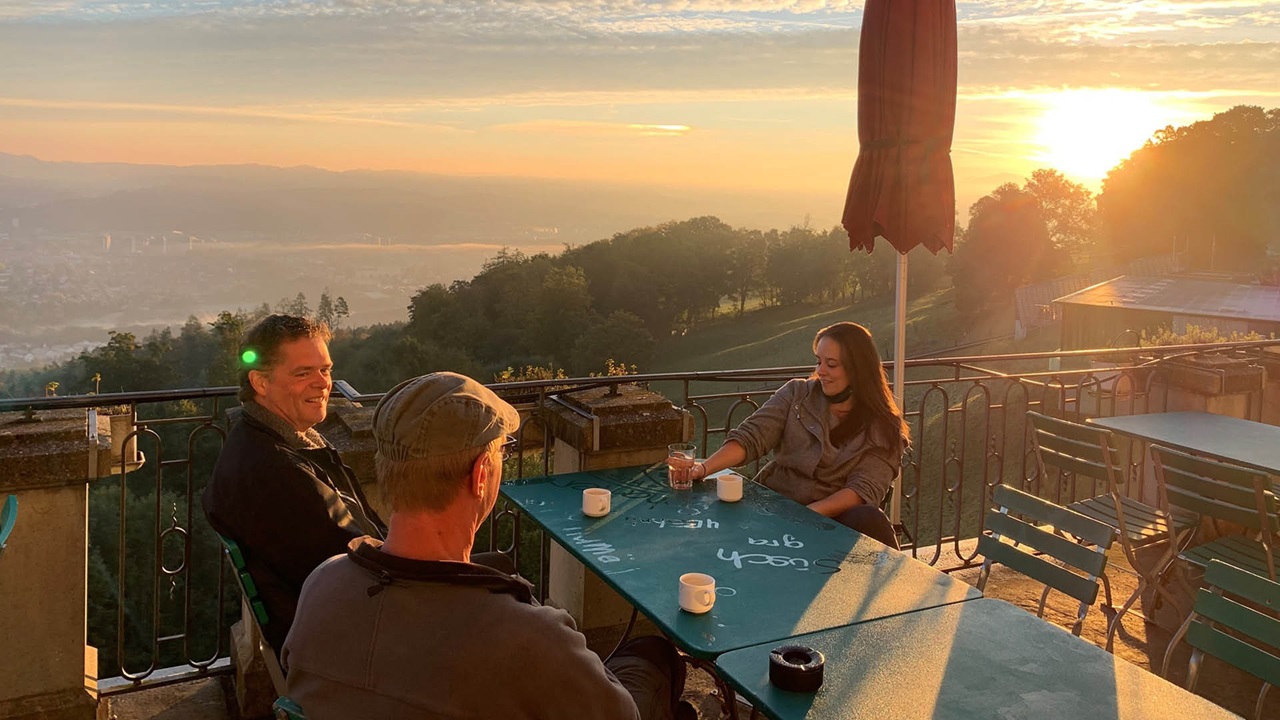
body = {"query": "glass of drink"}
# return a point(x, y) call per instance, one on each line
point(680, 472)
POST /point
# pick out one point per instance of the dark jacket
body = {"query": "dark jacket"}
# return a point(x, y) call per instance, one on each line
point(289, 509)
point(379, 636)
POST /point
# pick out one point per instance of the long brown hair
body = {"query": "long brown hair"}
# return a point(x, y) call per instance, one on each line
point(873, 405)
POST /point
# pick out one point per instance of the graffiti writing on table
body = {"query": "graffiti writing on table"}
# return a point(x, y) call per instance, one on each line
point(673, 523)
point(822, 566)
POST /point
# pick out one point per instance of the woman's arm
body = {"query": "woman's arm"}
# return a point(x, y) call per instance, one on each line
point(837, 503)
point(731, 454)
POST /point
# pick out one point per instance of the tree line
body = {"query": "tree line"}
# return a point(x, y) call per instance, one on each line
point(1209, 192)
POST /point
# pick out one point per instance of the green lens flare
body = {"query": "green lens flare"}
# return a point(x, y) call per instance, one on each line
point(249, 357)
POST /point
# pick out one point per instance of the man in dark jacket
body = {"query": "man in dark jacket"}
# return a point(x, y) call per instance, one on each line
point(279, 489)
point(414, 628)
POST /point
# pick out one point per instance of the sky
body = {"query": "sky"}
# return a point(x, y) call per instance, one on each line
point(756, 95)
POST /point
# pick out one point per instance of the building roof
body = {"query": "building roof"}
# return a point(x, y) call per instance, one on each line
point(1183, 296)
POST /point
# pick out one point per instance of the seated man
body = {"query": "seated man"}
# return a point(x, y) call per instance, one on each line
point(412, 628)
point(279, 489)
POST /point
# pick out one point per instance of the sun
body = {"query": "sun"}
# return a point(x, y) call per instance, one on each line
point(1084, 133)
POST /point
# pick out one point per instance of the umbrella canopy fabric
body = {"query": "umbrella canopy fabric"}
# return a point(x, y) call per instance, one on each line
point(902, 186)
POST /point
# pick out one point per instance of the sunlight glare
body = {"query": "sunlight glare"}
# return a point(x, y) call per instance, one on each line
point(1085, 133)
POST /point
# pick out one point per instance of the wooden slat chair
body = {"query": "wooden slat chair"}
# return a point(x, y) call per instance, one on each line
point(254, 610)
point(8, 519)
point(1254, 641)
point(1039, 530)
point(1229, 493)
point(286, 709)
point(1088, 452)
point(1220, 492)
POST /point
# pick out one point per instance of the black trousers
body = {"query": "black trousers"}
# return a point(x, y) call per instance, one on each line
point(871, 521)
point(653, 672)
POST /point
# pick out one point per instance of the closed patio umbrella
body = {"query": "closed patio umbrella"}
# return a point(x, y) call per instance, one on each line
point(902, 188)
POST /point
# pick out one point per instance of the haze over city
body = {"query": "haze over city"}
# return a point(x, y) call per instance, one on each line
point(470, 126)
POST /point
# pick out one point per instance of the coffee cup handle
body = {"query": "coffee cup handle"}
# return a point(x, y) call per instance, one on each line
point(708, 596)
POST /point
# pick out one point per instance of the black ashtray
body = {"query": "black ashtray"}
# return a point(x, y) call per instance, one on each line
point(797, 668)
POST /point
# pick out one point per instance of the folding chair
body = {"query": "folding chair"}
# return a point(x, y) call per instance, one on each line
point(1255, 634)
point(1038, 530)
point(1229, 493)
point(286, 709)
point(252, 609)
point(1219, 492)
point(8, 518)
point(1077, 451)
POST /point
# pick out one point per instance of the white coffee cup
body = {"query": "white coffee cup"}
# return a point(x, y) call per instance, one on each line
point(697, 592)
point(729, 487)
point(596, 502)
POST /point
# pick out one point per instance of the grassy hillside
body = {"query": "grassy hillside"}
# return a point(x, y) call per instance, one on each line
point(781, 336)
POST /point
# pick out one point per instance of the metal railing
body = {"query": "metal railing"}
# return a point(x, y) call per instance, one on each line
point(160, 604)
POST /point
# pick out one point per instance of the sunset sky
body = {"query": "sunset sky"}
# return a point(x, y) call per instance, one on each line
point(754, 95)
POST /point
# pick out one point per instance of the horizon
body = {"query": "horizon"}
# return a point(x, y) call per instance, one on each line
point(706, 95)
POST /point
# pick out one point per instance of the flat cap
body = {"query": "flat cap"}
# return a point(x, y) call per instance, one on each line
point(439, 414)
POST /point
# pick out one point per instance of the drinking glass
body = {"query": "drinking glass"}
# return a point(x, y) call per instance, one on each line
point(681, 478)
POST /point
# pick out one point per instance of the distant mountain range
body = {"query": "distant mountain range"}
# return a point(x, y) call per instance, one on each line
point(305, 203)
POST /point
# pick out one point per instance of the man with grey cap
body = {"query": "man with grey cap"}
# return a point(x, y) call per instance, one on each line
point(412, 628)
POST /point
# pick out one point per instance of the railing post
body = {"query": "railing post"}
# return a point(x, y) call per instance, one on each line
point(594, 429)
point(46, 669)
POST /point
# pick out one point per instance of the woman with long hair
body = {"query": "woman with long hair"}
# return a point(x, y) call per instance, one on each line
point(837, 437)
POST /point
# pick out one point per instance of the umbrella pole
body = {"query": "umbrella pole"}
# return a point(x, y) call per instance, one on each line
point(899, 355)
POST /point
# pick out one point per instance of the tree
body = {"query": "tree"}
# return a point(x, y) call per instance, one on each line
point(340, 312)
point(621, 337)
point(324, 309)
point(1067, 208)
point(745, 270)
point(1005, 245)
point(1209, 189)
point(297, 306)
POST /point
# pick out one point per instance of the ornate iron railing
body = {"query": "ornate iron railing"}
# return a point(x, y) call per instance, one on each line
point(160, 603)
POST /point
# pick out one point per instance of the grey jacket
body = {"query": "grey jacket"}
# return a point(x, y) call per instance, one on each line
point(377, 636)
point(796, 425)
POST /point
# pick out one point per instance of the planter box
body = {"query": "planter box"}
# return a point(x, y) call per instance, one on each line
point(1213, 374)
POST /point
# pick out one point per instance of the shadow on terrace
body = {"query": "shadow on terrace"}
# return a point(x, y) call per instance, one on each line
point(116, 592)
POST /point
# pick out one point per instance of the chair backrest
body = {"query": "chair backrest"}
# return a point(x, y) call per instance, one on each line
point(1075, 448)
point(8, 518)
point(1214, 611)
point(1034, 532)
point(286, 709)
point(244, 580)
point(1210, 488)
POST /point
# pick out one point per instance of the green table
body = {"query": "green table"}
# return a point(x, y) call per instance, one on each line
point(780, 568)
point(1241, 442)
point(972, 661)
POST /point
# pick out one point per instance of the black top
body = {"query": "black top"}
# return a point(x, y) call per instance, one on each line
point(289, 509)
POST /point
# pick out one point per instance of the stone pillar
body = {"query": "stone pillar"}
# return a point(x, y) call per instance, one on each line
point(46, 670)
point(594, 429)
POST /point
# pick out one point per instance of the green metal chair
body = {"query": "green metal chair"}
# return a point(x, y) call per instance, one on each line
point(253, 610)
point(286, 709)
point(1252, 645)
point(8, 518)
point(1038, 531)
point(1088, 452)
point(1229, 493)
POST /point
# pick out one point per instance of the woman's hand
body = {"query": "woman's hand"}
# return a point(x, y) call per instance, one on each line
point(685, 469)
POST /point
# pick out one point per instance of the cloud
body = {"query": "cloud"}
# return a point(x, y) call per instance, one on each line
point(152, 110)
point(581, 129)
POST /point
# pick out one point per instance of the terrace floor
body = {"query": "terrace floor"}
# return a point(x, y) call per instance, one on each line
point(1140, 643)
